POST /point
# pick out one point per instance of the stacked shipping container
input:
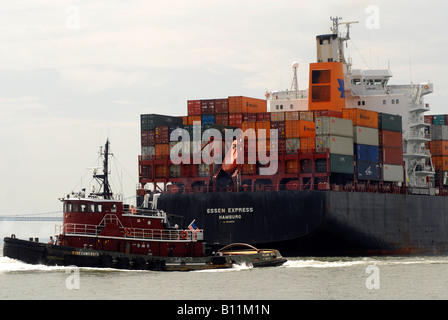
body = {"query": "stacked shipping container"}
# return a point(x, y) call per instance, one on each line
point(391, 146)
point(336, 135)
point(439, 147)
point(358, 141)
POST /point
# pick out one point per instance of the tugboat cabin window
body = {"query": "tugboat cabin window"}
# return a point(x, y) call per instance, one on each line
point(82, 207)
point(67, 207)
point(75, 207)
point(91, 208)
point(99, 208)
point(113, 208)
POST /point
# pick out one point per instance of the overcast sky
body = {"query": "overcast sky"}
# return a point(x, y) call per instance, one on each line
point(73, 73)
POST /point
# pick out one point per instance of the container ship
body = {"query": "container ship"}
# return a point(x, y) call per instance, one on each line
point(349, 166)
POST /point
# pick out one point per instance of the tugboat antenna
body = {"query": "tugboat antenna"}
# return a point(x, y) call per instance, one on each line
point(107, 193)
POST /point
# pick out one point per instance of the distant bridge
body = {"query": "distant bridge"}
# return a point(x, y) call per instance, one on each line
point(46, 216)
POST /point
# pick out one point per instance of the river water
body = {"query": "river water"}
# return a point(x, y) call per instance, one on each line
point(327, 278)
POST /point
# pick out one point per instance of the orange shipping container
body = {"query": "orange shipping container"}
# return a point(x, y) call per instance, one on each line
point(266, 125)
point(440, 163)
point(162, 149)
point(235, 120)
point(239, 104)
point(161, 171)
point(307, 143)
point(361, 117)
point(292, 166)
point(191, 119)
point(439, 148)
point(299, 129)
point(249, 169)
point(249, 125)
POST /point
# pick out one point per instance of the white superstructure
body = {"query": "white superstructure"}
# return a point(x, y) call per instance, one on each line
point(370, 89)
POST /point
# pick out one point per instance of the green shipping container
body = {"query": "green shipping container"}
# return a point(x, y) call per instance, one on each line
point(390, 122)
point(340, 163)
point(150, 121)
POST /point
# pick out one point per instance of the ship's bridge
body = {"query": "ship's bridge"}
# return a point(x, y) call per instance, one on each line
point(364, 82)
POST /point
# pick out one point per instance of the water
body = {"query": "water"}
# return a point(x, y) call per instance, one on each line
point(371, 278)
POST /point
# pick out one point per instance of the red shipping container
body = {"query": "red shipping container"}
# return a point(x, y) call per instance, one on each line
point(428, 119)
point(281, 144)
point(222, 119)
point(194, 107)
point(392, 156)
point(263, 116)
point(292, 166)
point(390, 139)
point(162, 134)
point(235, 120)
point(327, 113)
point(249, 117)
point(221, 106)
point(280, 126)
point(148, 138)
point(208, 106)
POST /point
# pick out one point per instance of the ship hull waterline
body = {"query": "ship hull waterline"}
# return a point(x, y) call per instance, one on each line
point(55, 255)
point(318, 223)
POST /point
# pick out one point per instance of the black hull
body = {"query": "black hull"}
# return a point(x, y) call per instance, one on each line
point(318, 222)
point(47, 254)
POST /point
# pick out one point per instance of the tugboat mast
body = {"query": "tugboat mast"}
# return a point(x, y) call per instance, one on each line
point(107, 193)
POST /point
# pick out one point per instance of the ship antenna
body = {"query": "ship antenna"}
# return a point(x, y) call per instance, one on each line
point(295, 84)
point(107, 193)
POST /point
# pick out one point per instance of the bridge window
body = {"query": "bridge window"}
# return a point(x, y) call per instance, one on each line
point(67, 207)
point(113, 208)
point(91, 208)
point(99, 208)
point(82, 207)
point(75, 207)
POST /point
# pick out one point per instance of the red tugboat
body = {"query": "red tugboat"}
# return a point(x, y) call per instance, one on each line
point(101, 231)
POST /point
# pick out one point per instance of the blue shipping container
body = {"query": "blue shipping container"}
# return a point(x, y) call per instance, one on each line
point(366, 153)
point(208, 119)
point(368, 171)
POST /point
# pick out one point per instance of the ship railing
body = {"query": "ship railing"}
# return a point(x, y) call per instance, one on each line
point(79, 228)
point(136, 233)
point(165, 235)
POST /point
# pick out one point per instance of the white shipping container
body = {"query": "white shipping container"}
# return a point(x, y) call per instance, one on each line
point(439, 132)
point(292, 144)
point(335, 144)
point(393, 173)
point(148, 151)
point(334, 126)
point(174, 171)
point(277, 116)
point(203, 170)
point(365, 135)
